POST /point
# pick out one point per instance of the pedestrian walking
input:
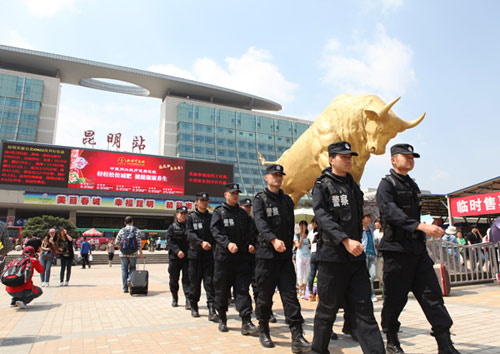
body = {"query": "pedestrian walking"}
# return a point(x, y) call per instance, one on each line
point(407, 265)
point(66, 254)
point(129, 239)
point(343, 279)
point(274, 220)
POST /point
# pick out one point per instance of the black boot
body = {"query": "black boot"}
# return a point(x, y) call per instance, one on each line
point(222, 322)
point(445, 345)
point(334, 336)
point(194, 310)
point(212, 314)
point(175, 300)
point(247, 327)
point(265, 336)
point(393, 345)
point(272, 318)
point(299, 343)
point(188, 305)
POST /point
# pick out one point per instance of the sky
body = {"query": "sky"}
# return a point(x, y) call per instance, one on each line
point(441, 57)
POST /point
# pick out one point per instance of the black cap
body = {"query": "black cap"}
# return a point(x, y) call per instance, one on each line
point(341, 147)
point(202, 195)
point(246, 202)
point(405, 149)
point(232, 187)
point(181, 209)
point(274, 168)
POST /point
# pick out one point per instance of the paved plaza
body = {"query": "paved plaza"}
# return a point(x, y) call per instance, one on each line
point(93, 315)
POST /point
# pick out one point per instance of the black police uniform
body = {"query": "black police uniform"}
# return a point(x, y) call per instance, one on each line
point(343, 279)
point(407, 265)
point(201, 262)
point(177, 241)
point(274, 219)
point(251, 257)
point(232, 224)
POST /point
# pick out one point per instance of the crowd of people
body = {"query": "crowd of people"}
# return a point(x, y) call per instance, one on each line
point(244, 244)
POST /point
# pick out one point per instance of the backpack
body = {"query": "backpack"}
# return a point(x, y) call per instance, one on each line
point(18, 272)
point(129, 243)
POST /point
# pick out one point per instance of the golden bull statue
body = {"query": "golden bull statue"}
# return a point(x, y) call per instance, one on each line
point(365, 121)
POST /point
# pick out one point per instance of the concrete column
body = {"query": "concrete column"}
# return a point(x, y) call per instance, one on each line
point(72, 217)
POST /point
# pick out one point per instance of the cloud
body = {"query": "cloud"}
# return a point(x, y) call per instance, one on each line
point(47, 8)
point(382, 66)
point(369, 6)
point(253, 72)
point(15, 39)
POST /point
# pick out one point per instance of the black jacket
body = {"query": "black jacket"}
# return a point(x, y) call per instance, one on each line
point(398, 200)
point(273, 214)
point(177, 240)
point(198, 230)
point(232, 224)
point(338, 209)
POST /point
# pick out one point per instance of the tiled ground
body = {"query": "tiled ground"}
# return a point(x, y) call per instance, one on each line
point(93, 315)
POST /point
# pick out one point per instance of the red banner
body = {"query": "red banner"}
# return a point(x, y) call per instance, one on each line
point(111, 171)
point(479, 204)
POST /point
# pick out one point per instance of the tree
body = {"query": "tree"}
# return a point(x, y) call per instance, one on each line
point(42, 224)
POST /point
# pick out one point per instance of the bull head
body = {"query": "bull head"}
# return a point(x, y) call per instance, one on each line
point(382, 126)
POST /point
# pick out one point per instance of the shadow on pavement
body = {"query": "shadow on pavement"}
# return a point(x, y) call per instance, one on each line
point(12, 341)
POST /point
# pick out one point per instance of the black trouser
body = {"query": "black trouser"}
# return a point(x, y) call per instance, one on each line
point(85, 260)
point(201, 268)
point(403, 273)
point(346, 285)
point(175, 266)
point(66, 264)
point(270, 273)
point(237, 275)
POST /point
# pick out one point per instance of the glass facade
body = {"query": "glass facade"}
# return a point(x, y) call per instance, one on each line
point(20, 102)
point(222, 135)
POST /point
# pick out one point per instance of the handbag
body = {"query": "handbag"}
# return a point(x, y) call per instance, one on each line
point(47, 255)
point(91, 258)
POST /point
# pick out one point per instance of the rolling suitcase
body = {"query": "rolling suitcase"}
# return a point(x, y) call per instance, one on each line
point(443, 278)
point(139, 280)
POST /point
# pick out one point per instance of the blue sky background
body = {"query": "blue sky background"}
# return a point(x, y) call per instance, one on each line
point(442, 57)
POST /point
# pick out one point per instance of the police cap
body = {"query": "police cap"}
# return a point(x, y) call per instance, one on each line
point(274, 168)
point(181, 209)
point(246, 202)
point(232, 187)
point(202, 195)
point(342, 148)
point(405, 149)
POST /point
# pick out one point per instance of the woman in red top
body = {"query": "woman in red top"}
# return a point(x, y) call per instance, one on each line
point(24, 294)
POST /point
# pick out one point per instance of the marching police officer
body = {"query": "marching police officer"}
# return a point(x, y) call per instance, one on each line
point(407, 265)
point(200, 255)
point(343, 279)
point(274, 219)
point(233, 231)
point(177, 256)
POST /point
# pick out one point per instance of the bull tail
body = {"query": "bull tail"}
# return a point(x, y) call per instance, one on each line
point(263, 160)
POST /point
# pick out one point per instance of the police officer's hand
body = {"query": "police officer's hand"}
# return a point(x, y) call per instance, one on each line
point(278, 245)
point(231, 246)
point(353, 247)
point(180, 254)
point(431, 230)
point(206, 245)
point(251, 249)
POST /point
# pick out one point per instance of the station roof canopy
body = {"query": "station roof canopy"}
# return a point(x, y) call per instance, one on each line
point(131, 81)
point(488, 186)
point(435, 205)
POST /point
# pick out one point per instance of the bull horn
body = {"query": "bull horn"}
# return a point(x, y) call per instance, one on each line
point(387, 108)
point(413, 123)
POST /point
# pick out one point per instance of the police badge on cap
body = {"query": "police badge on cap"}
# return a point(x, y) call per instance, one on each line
point(181, 209)
point(274, 168)
point(405, 149)
point(341, 147)
point(202, 195)
point(246, 202)
point(232, 187)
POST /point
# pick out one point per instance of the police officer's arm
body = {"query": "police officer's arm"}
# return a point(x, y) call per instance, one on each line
point(217, 228)
point(386, 202)
point(324, 219)
point(171, 244)
point(251, 234)
point(192, 236)
point(260, 217)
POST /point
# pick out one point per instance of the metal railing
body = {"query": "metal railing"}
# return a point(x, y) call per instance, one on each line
point(466, 264)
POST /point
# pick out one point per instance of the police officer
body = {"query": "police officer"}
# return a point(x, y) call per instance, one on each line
point(274, 219)
point(200, 255)
point(407, 265)
point(233, 231)
point(177, 256)
point(343, 279)
point(246, 204)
